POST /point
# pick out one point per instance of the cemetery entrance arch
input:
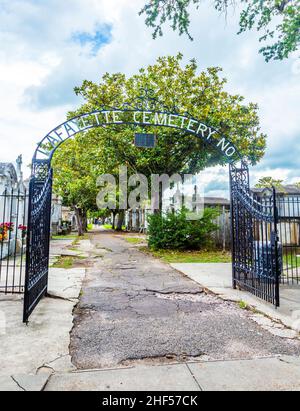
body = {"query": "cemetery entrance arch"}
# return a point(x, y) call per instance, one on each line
point(254, 233)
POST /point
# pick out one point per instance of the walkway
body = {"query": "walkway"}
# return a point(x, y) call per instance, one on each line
point(217, 278)
point(140, 325)
point(136, 310)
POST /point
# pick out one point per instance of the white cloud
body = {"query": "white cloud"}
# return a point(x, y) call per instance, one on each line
point(40, 65)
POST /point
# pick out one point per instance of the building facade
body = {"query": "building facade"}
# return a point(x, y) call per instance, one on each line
point(13, 208)
point(288, 204)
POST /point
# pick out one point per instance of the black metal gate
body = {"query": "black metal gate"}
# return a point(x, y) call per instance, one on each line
point(38, 238)
point(289, 234)
point(257, 256)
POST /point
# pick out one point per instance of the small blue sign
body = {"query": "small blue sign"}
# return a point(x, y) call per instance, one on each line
point(145, 140)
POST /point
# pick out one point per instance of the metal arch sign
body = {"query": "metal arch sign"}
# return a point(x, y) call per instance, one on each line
point(153, 118)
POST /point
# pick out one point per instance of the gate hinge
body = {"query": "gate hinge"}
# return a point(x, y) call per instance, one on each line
point(274, 238)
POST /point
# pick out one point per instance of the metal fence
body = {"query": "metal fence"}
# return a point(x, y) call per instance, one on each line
point(289, 233)
point(255, 242)
point(255, 260)
point(288, 226)
point(13, 232)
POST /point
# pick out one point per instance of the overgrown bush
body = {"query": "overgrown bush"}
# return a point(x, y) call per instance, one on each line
point(175, 232)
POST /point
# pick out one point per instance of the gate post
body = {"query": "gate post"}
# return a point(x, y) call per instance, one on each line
point(28, 249)
point(38, 236)
point(239, 183)
point(232, 228)
point(275, 244)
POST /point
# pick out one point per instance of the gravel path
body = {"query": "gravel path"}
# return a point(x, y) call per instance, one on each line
point(134, 308)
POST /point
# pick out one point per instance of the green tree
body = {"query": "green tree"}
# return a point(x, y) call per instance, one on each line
point(174, 231)
point(79, 162)
point(75, 179)
point(77, 165)
point(269, 182)
point(278, 20)
point(202, 95)
point(102, 215)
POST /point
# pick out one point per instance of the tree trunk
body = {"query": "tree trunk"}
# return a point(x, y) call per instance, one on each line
point(160, 198)
point(114, 221)
point(160, 204)
point(84, 222)
point(78, 213)
point(120, 220)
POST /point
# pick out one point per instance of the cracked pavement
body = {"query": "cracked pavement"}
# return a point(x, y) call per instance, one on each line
point(135, 309)
point(31, 353)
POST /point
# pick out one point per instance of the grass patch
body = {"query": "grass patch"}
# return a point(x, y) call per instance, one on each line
point(291, 260)
point(107, 226)
point(64, 237)
point(203, 256)
point(77, 239)
point(243, 305)
point(75, 249)
point(134, 240)
point(64, 262)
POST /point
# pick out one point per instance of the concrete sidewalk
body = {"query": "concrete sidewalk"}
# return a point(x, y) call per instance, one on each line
point(264, 374)
point(37, 357)
point(269, 374)
point(217, 278)
point(31, 353)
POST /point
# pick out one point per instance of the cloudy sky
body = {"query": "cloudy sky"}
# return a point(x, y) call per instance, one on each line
point(50, 46)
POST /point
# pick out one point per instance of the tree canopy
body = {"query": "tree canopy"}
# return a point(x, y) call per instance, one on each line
point(277, 20)
point(203, 95)
point(79, 162)
point(269, 182)
point(76, 171)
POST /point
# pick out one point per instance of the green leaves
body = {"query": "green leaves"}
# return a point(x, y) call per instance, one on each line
point(269, 182)
point(265, 15)
point(200, 94)
point(79, 162)
point(76, 169)
point(279, 19)
point(173, 231)
point(163, 10)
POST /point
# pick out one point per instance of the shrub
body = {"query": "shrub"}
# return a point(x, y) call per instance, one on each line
point(175, 232)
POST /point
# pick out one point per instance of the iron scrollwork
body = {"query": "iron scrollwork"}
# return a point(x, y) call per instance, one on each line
point(38, 238)
point(254, 222)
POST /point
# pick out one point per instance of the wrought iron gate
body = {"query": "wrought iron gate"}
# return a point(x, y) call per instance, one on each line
point(289, 233)
point(38, 237)
point(257, 256)
point(255, 244)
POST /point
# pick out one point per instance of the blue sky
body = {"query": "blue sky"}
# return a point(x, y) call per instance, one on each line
point(94, 40)
point(50, 46)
